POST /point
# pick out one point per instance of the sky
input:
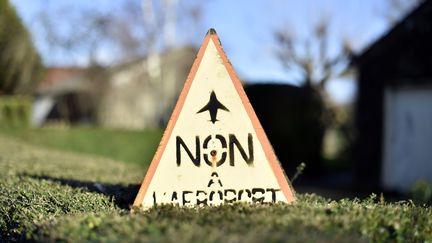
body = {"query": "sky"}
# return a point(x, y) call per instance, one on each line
point(246, 30)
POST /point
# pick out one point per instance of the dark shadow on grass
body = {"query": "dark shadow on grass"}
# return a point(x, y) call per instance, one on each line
point(123, 195)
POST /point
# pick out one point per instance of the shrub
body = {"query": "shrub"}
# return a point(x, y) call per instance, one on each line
point(15, 111)
point(51, 196)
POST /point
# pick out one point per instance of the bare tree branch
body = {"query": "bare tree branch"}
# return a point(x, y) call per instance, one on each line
point(134, 30)
point(311, 56)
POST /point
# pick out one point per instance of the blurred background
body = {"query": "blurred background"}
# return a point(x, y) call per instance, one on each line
point(344, 87)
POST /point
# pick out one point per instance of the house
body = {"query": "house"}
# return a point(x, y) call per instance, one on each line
point(394, 106)
point(65, 94)
point(131, 95)
point(135, 97)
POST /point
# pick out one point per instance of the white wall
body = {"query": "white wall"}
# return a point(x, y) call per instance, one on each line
point(407, 151)
point(41, 109)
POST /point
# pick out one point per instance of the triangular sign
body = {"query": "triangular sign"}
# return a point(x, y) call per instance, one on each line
point(214, 149)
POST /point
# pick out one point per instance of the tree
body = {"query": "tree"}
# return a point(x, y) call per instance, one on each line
point(137, 36)
point(136, 29)
point(20, 64)
point(310, 58)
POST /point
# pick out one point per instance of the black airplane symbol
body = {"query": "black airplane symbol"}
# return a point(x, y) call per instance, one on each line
point(212, 106)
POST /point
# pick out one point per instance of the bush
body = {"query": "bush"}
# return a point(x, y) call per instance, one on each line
point(39, 185)
point(422, 192)
point(50, 196)
point(15, 111)
point(312, 218)
point(26, 203)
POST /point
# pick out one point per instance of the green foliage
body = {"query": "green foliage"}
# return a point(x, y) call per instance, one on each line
point(231, 223)
point(48, 195)
point(136, 147)
point(38, 185)
point(27, 202)
point(422, 192)
point(15, 111)
point(20, 64)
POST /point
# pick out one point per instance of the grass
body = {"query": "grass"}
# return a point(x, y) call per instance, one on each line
point(135, 147)
point(51, 195)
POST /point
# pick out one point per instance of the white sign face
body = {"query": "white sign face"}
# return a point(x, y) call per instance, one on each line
point(214, 149)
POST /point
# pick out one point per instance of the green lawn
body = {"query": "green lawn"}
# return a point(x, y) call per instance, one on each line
point(49, 195)
point(128, 146)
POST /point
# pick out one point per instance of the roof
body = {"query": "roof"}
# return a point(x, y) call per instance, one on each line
point(411, 23)
point(59, 80)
